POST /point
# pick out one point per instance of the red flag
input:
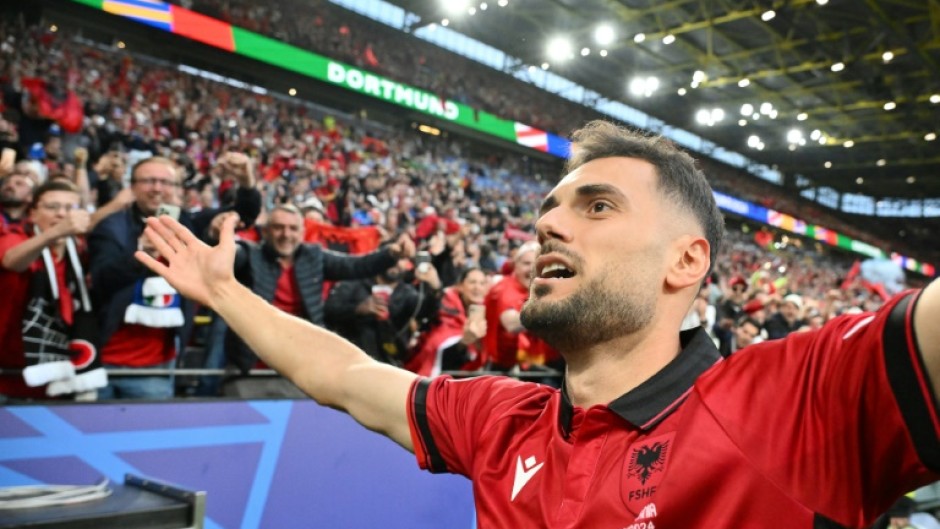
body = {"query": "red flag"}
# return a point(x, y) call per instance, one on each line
point(853, 273)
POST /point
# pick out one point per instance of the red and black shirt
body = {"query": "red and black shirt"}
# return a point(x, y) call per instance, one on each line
point(819, 430)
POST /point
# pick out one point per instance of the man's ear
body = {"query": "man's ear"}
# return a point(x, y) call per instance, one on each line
point(691, 260)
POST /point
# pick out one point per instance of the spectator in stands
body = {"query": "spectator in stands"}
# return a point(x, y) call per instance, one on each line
point(380, 314)
point(787, 319)
point(453, 340)
point(506, 339)
point(144, 322)
point(26, 249)
point(627, 238)
point(16, 193)
point(108, 174)
point(745, 332)
point(289, 274)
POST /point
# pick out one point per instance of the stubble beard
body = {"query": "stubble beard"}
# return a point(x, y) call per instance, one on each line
point(592, 315)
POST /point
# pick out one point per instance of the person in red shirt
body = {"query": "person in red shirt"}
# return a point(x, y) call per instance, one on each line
point(651, 427)
point(503, 303)
point(16, 193)
point(453, 341)
point(52, 217)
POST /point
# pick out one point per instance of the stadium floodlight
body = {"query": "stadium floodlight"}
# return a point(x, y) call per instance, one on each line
point(753, 141)
point(747, 109)
point(717, 115)
point(881, 162)
point(887, 56)
point(891, 105)
point(445, 22)
point(930, 136)
point(911, 179)
point(502, 3)
point(837, 67)
point(766, 108)
point(743, 83)
point(848, 144)
point(699, 76)
point(472, 11)
point(822, 2)
point(794, 136)
point(815, 134)
point(669, 39)
point(559, 49)
point(455, 7)
point(682, 91)
point(604, 35)
point(532, 68)
point(644, 86)
point(773, 114)
point(860, 180)
point(639, 37)
point(742, 122)
point(603, 53)
point(585, 52)
point(483, 6)
point(545, 66)
point(703, 116)
point(802, 116)
point(935, 98)
point(827, 165)
point(768, 15)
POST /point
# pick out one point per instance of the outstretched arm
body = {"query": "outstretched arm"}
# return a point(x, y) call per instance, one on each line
point(325, 366)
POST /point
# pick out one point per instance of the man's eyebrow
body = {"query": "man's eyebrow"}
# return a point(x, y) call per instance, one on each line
point(548, 204)
point(593, 190)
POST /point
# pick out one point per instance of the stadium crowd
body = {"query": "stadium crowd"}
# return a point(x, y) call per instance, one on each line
point(404, 243)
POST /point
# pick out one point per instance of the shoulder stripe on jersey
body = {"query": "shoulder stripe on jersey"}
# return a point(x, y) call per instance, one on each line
point(821, 522)
point(419, 408)
point(909, 382)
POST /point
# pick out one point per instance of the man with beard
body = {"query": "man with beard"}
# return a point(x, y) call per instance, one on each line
point(289, 274)
point(651, 427)
point(16, 193)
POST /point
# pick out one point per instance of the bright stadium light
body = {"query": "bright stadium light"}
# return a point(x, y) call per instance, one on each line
point(815, 134)
point(766, 108)
point(604, 35)
point(881, 162)
point(827, 165)
point(768, 15)
point(837, 67)
point(639, 37)
point(747, 109)
point(559, 49)
point(455, 7)
point(502, 3)
point(891, 105)
point(585, 52)
point(794, 136)
point(887, 56)
point(802, 116)
point(935, 98)
point(644, 86)
point(669, 39)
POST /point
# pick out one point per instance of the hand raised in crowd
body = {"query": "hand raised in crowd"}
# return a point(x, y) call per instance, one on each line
point(475, 328)
point(198, 271)
point(81, 156)
point(238, 166)
point(76, 222)
point(373, 305)
point(404, 247)
point(428, 274)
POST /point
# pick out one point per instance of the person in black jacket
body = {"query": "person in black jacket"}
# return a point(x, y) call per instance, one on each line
point(289, 274)
point(143, 322)
point(382, 324)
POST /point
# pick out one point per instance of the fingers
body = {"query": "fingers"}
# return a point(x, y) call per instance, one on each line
point(181, 233)
point(227, 232)
point(155, 266)
point(159, 241)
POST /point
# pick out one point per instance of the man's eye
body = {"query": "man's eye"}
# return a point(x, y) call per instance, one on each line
point(599, 207)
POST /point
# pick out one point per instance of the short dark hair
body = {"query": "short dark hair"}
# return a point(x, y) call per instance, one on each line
point(52, 185)
point(679, 179)
point(465, 273)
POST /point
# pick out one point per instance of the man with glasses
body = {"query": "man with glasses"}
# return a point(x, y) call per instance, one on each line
point(144, 321)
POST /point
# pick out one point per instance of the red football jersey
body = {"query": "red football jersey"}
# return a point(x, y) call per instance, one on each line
point(819, 430)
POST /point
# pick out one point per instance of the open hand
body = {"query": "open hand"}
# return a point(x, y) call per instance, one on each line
point(197, 270)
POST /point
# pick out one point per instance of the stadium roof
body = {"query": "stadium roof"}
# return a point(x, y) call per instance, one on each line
point(878, 115)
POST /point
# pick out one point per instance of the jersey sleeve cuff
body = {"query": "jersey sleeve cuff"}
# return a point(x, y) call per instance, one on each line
point(429, 457)
point(910, 382)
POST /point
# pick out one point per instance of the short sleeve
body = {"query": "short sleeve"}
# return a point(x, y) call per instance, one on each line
point(448, 417)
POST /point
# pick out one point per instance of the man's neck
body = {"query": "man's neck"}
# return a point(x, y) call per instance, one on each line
point(13, 213)
point(602, 372)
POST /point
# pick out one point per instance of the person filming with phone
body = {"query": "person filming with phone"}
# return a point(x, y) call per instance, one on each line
point(453, 340)
point(143, 321)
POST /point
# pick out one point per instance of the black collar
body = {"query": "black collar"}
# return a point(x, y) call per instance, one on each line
point(652, 401)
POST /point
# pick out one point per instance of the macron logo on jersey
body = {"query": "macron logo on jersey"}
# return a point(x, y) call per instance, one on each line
point(524, 472)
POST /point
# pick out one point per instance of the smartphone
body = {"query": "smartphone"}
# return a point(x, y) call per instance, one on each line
point(423, 261)
point(169, 209)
